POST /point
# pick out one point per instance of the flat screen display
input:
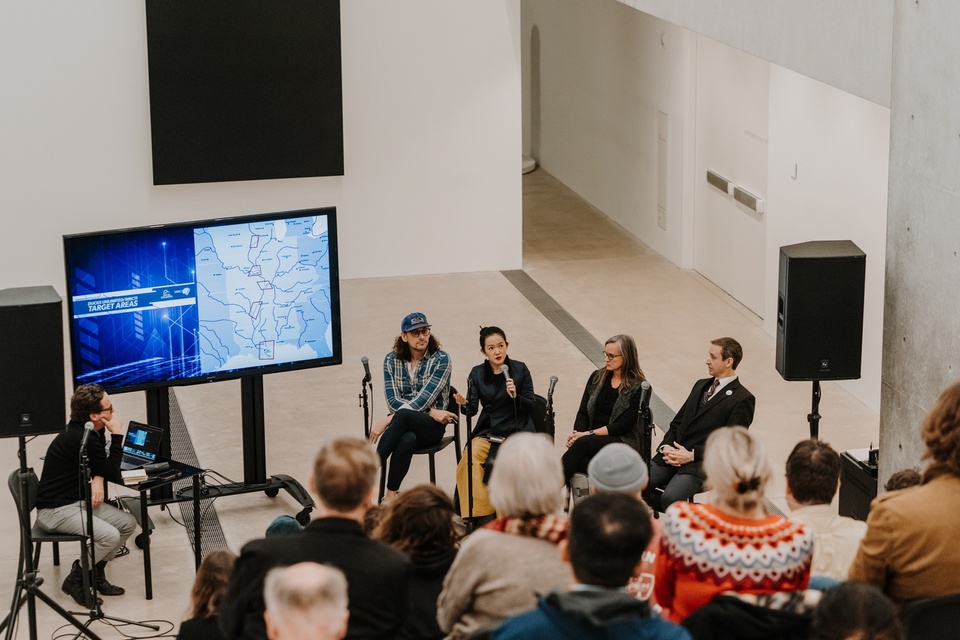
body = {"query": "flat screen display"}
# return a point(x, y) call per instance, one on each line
point(203, 301)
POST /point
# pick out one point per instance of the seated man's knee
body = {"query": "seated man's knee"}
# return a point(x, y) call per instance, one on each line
point(679, 489)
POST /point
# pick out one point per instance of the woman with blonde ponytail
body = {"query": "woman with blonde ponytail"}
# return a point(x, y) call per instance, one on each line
point(731, 544)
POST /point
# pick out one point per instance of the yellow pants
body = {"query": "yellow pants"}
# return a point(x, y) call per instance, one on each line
point(481, 499)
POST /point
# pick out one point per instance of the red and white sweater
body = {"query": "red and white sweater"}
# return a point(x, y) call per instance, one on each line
point(704, 552)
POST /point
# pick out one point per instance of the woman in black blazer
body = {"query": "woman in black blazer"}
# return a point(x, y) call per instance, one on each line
point(609, 409)
point(504, 388)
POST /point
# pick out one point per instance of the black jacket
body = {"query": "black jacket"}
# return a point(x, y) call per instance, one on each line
point(377, 577)
point(501, 415)
point(693, 424)
point(60, 479)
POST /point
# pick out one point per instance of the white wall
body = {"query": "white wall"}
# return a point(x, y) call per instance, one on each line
point(432, 135)
point(595, 76)
point(732, 113)
point(838, 146)
point(603, 71)
point(846, 44)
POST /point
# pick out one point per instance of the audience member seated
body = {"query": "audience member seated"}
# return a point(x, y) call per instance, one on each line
point(420, 523)
point(910, 548)
point(731, 544)
point(209, 586)
point(813, 477)
point(620, 469)
point(282, 525)
point(416, 384)
point(307, 601)
point(903, 479)
point(343, 486)
point(782, 615)
point(609, 406)
point(503, 566)
point(608, 535)
point(856, 610)
point(507, 401)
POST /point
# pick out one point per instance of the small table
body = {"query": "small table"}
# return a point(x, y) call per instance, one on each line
point(183, 471)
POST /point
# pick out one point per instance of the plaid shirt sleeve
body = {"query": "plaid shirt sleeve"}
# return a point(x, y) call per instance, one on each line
point(396, 383)
point(430, 388)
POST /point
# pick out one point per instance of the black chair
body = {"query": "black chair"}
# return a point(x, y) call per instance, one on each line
point(452, 407)
point(39, 536)
point(928, 618)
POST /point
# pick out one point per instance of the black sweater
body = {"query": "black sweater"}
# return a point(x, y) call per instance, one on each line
point(60, 481)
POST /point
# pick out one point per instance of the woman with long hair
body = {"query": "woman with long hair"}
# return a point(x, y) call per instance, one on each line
point(731, 544)
point(209, 586)
point(420, 523)
point(504, 388)
point(609, 408)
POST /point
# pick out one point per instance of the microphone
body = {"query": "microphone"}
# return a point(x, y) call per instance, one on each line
point(506, 371)
point(553, 382)
point(366, 369)
point(87, 430)
point(644, 395)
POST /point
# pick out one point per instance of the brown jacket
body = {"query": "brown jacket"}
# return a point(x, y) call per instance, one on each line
point(911, 547)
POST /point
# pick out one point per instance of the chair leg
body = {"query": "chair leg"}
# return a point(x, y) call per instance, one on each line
point(56, 553)
point(433, 469)
point(36, 554)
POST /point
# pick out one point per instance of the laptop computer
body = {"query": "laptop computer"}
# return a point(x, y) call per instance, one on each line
point(141, 445)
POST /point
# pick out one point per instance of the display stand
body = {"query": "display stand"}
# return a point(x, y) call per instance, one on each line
point(254, 448)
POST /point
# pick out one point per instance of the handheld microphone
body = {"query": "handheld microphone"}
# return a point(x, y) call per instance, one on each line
point(644, 395)
point(553, 382)
point(506, 371)
point(87, 430)
point(366, 369)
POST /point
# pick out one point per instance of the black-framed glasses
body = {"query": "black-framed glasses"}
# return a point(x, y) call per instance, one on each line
point(424, 331)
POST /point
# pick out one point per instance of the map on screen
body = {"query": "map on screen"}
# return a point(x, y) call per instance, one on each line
point(184, 302)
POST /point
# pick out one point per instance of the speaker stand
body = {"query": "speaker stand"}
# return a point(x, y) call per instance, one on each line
point(814, 416)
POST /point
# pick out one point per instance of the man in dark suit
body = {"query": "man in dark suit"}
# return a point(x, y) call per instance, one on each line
point(715, 402)
point(343, 483)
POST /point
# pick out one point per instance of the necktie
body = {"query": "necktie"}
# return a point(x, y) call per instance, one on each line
point(711, 390)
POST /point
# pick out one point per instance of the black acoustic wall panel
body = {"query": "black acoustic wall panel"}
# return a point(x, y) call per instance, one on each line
point(32, 398)
point(820, 310)
point(244, 89)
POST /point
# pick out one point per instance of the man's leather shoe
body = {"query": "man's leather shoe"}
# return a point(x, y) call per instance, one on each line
point(103, 585)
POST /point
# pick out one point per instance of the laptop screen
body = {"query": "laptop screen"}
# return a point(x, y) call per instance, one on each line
point(142, 441)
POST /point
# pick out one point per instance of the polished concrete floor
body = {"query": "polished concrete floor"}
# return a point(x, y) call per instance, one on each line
point(607, 280)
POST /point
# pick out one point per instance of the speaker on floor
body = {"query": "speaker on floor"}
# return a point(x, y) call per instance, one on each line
point(31, 362)
point(820, 310)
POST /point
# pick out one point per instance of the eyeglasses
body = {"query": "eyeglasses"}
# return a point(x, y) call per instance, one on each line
point(611, 356)
point(425, 331)
point(107, 410)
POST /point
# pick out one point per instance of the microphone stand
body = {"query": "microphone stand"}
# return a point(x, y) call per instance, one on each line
point(549, 419)
point(646, 442)
point(470, 523)
point(364, 401)
point(27, 588)
point(96, 612)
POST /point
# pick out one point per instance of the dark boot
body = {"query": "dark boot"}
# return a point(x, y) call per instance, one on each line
point(73, 585)
point(104, 587)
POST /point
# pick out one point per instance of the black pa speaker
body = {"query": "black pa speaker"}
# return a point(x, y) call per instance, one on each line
point(31, 362)
point(820, 310)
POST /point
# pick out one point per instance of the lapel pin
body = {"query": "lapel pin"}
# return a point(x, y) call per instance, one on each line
point(729, 393)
